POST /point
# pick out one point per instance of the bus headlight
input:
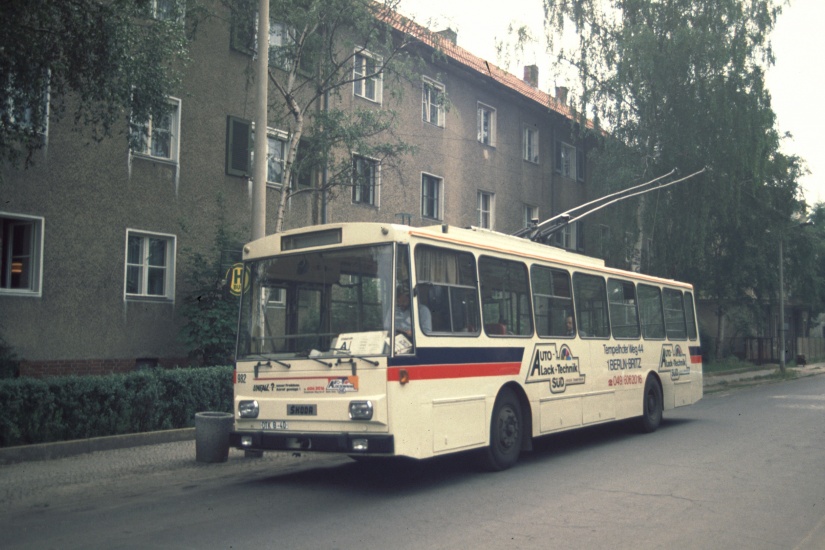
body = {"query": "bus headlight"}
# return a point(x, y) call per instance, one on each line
point(360, 410)
point(248, 409)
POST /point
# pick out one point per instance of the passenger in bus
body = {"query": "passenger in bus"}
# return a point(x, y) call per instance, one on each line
point(569, 330)
point(403, 317)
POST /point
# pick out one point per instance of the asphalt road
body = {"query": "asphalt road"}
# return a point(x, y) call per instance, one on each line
point(744, 469)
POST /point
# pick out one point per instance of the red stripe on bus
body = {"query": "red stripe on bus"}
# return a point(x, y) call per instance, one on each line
point(695, 359)
point(464, 370)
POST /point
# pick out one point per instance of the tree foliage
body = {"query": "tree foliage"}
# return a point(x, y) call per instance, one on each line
point(680, 83)
point(312, 70)
point(210, 311)
point(98, 61)
point(805, 260)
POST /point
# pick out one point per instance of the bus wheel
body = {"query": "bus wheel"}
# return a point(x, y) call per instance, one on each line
point(651, 406)
point(506, 433)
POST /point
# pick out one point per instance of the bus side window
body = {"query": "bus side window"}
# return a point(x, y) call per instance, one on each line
point(552, 301)
point(674, 315)
point(435, 298)
point(624, 317)
point(447, 285)
point(505, 292)
point(650, 311)
point(690, 316)
point(591, 305)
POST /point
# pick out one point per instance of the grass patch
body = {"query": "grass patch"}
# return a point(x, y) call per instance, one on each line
point(730, 365)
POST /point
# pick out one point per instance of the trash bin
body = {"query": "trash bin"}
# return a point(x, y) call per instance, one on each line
point(212, 436)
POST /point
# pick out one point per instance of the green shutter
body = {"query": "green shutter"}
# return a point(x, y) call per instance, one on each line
point(238, 146)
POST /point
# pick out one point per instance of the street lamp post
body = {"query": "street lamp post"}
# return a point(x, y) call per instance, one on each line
point(781, 309)
point(782, 299)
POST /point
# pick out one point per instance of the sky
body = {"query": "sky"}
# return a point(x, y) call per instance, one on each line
point(795, 81)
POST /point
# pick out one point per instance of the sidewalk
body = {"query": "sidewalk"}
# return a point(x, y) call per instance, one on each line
point(186, 436)
point(712, 382)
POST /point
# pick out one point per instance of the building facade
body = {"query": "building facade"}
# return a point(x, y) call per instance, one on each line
point(98, 237)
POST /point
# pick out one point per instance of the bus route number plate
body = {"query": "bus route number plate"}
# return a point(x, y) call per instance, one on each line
point(273, 425)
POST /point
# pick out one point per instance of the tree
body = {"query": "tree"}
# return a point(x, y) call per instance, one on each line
point(210, 310)
point(805, 257)
point(318, 49)
point(680, 83)
point(99, 61)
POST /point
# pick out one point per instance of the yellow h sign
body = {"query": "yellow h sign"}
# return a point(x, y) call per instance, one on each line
point(238, 279)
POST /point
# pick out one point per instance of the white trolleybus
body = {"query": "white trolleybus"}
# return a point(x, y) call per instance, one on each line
point(374, 339)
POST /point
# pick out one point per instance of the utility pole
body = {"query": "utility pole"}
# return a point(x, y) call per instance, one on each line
point(261, 141)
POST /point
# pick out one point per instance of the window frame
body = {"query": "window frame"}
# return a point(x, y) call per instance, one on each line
point(282, 138)
point(156, 12)
point(436, 201)
point(505, 291)
point(587, 316)
point(169, 268)
point(34, 288)
point(361, 80)
point(570, 237)
point(488, 212)
point(487, 138)
point(690, 316)
point(459, 307)
point(373, 186)
point(429, 88)
point(143, 133)
point(581, 164)
point(236, 127)
point(623, 309)
point(279, 39)
point(554, 302)
point(529, 213)
point(566, 160)
point(530, 144)
point(674, 315)
point(24, 124)
point(649, 324)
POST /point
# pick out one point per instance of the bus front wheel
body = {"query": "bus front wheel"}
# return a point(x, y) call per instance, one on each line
point(506, 432)
point(651, 406)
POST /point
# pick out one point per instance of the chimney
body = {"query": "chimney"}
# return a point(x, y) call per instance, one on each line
point(450, 35)
point(531, 75)
point(561, 94)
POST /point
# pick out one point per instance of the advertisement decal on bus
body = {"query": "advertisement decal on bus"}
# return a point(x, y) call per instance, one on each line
point(560, 369)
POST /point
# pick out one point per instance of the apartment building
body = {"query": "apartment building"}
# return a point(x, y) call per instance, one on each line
point(97, 237)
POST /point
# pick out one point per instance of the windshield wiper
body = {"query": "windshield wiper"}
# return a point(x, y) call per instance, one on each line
point(268, 365)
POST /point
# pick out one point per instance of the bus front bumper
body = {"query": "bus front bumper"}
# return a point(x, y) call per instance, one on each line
point(324, 443)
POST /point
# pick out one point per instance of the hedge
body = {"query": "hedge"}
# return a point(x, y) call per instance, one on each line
point(78, 407)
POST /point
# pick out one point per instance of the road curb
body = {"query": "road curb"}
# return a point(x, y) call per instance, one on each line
point(63, 449)
point(722, 380)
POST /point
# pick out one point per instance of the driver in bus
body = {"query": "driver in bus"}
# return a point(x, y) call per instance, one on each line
point(570, 331)
point(403, 317)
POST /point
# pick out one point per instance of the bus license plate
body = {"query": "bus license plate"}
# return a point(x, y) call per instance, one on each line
point(301, 410)
point(274, 425)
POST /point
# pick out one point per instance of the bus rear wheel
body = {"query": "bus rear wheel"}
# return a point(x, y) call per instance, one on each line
point(506, 433)
point(651, 406)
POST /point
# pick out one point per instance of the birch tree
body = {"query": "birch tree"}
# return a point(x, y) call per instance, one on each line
point(680, 83)
point(98, 62)
point(320, 49)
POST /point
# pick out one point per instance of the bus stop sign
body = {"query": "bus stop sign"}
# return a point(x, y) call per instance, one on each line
point(237, 279)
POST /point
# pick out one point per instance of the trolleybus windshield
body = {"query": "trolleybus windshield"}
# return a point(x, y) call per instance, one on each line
point(317, 303)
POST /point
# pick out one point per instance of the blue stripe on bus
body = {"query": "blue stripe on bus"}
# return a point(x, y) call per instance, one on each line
point(455, 356)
